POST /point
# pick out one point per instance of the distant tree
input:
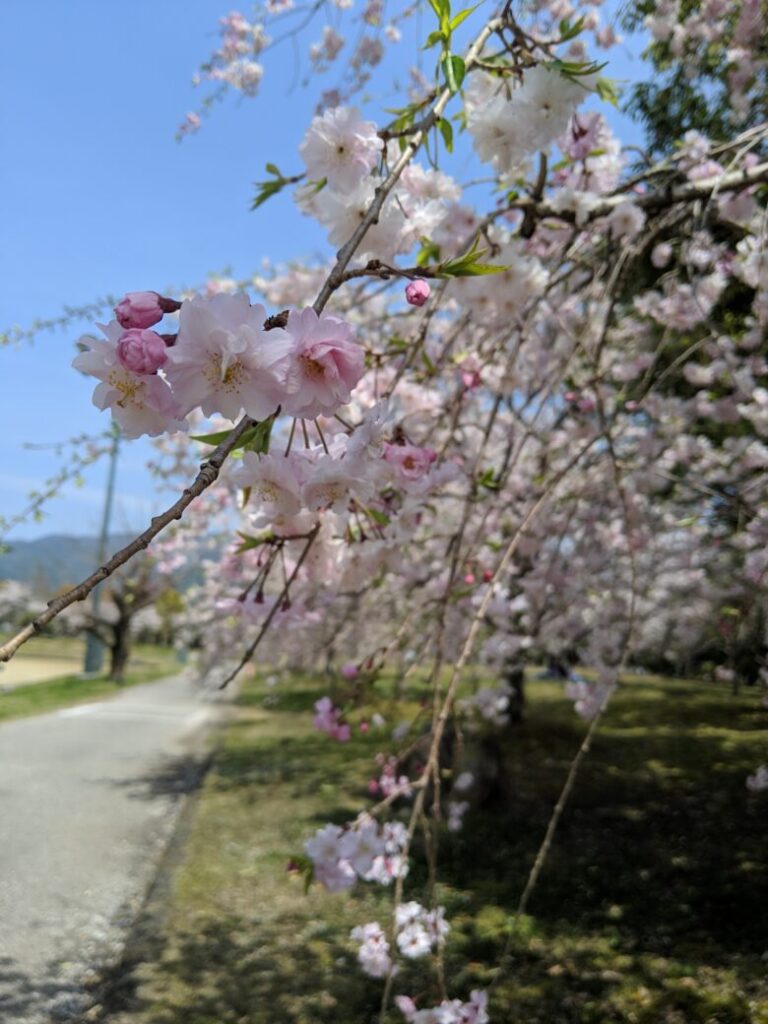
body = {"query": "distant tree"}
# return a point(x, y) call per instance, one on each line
point(130, 593)
point(709, 68)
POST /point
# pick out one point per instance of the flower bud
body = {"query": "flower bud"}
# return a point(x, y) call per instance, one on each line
point(417, 292)
point(141, 351)
point(139, 309)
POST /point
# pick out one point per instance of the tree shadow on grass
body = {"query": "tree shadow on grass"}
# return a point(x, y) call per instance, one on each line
point(237, 971)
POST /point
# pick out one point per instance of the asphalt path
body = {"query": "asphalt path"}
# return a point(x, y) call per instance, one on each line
point(89, 797)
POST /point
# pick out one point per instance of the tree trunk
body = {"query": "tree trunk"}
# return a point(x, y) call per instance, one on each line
point(514, 675)
point(120, 650)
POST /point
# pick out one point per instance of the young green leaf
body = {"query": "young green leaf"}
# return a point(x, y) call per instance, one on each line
point(457, 19)
point(262, 433)
point(455, 69)
point(446, 130)
point(221, 435)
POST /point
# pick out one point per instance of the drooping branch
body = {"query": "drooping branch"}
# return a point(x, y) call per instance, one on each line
point(210, 469)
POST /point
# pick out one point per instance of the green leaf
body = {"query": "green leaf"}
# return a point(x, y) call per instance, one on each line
point(608, 91)
point(432, 38)
point(446, 130)
point(442, 9)
point(249, 542)
point(213, 439)
point(428, 252)
point(380, 518)
point(688, 521)
point(262, 432)
point(577, 69)
point(221, 435)
point(397, 344)
point(462, 16)
point(568, 31)
point(455, 69)
point(468, 265)
point(488, 480)
point(266, 189)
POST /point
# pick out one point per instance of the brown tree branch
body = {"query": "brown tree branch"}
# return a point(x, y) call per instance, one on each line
point(209, 471)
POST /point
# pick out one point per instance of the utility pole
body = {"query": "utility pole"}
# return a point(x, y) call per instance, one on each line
point(94, 648)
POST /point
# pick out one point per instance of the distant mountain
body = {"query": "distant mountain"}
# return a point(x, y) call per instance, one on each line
point(49, 563)
point(52, 562)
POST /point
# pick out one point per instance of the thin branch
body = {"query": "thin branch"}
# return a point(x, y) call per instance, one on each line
point(208, 473)
point(274, 609)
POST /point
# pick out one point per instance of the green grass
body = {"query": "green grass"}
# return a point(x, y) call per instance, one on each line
point(148, 662)
point(651, 908)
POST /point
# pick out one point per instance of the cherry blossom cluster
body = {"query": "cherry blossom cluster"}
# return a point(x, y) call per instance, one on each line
point(488, 706)
point(327, 719)
point(418, 932)
point(450, 1011)
point(223, 360)
point(365, 850)
point(391, 782)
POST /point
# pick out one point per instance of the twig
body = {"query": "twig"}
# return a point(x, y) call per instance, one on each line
point(250, 650)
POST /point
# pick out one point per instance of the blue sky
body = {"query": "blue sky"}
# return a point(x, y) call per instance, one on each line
point(98, 198)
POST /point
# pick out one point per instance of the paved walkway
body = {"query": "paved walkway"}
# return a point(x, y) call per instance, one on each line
point(88, 799)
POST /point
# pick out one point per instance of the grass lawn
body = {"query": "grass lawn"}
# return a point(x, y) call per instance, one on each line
point(652, 908)
point(147, 662)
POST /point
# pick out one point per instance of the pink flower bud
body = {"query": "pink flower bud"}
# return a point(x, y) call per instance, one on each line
point(417, 292)
point(139, 309)
point(349, 671)
point(364, 727)
point(469, 579)
point(471, 379)
point(141, 351)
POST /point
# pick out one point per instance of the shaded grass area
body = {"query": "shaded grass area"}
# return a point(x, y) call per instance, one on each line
point(147, 663)
point(651, 907)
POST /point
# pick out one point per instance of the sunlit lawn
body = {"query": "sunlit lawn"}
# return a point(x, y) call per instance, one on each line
point(653, 905)
point(64, 655)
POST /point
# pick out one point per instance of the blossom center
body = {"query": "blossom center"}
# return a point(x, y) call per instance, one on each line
point(227, 377)
point(313, 368)
point(128, 388)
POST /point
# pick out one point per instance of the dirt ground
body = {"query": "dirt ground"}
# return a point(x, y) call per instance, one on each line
point(24, 670)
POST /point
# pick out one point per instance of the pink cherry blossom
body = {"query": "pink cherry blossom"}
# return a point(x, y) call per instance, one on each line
point(141, 351)
point(140, 404)
point(327, 720)
point(224, 361)
point(340, 147)
point(274, 480)
point(326, 364)
point(409, 461)
point(626, 220)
